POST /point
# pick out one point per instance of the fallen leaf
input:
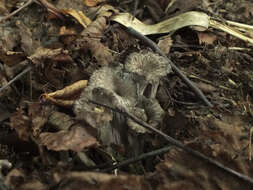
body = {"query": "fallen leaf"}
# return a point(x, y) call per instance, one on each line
point(11, 58)
point(28, 43)
point(67, 31)
point(42, 54)
point(21, 124)
point(68, 91)
point(39, 115)
point(3, 9)
point(93, 3)
point(79, 16)
point(12, 175)
point(165, 44)
point(60, 121)
point(93, 181)
point(206, 38)
point(76, 139)
point(191, 18)
point(90, 40)
point(65, 97)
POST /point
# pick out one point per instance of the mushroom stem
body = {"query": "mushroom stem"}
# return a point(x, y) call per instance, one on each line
point(154, 88)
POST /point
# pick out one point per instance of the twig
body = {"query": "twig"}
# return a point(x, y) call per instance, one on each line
point(178, 143)
point(50, 7)
point(138, 158)
point(174, 67)
point(16, 78)
point(16, 11)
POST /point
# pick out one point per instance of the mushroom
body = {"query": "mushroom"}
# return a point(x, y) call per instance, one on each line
point(108, 85)
point(147, 68)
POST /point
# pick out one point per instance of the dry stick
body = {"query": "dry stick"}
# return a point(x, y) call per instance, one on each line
point(16, 78)
point(138, 158)
point(155, 48)
point(178, 143)
point(16, 11)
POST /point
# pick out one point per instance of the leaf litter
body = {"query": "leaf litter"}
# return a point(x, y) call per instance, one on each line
point(56, 138)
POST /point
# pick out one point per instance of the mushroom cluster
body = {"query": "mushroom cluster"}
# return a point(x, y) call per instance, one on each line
point(123, 87)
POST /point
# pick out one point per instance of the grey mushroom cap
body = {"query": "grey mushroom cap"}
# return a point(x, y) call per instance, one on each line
point(148, 65)
point(147, 68)
point(108, 85)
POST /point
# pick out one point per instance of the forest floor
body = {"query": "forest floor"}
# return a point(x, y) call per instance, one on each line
point(95, 107)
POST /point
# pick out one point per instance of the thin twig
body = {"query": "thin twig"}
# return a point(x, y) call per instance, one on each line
point(138, 158)
point(16, 11)
point(16, 78)
point(178, 143)
point(155, 48)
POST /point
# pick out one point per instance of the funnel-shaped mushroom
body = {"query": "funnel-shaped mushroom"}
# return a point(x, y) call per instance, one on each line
point(147, 68)
point(108, 85)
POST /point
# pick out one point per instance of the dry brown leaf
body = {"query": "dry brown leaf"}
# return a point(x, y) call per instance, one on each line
point(93, 3)
point(93, 181)
point(76, 139)
point(23, 183)
point(12, 175)
point(39, 116)
point(91, 40)
point(21, 123)
point(79, 16)
point(59, 102)
point(28, 43)
point(60, 121)
point(176, 7)
point(33, 184)
point(65, 97)
point(218, 139)
point(53, 54)
point(11, 58)
point(206, 38)
point(182, 171)
point(3, 9)
point(165, 44)
point(67, 31)
point(68, 91)
point(9, 38)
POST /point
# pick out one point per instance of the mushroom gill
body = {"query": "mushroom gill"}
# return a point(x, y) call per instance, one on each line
point(147, 68)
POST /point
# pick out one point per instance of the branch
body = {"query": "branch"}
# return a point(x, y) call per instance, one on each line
point(16, 11)
point(29, 68)
point(138, 158)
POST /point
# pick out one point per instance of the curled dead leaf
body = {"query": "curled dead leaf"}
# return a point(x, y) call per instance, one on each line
point(65, 96)
point(68, 91)
point(79, 16)
point(59, 102)
point(76, 139)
